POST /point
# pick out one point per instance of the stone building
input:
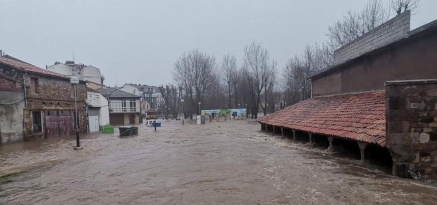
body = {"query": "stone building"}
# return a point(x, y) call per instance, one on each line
point(43, 102)
point(375, 98)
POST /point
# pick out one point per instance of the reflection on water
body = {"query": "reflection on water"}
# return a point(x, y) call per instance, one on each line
point(216, 163)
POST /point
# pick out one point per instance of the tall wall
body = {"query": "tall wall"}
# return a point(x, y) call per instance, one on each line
point(390, 31)
point(11, 116)
point(415, 58)
point(412, 123)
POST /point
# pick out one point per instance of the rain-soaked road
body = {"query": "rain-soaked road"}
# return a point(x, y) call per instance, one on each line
point(216, 163)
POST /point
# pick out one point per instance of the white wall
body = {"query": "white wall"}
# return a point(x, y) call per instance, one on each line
point(92, 74)
point(61, 69)
point(97, 100)
point(104, 111)
point(130, 89)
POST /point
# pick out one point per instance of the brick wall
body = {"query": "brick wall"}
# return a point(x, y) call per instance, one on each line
point(412, 123)
point(394, 29)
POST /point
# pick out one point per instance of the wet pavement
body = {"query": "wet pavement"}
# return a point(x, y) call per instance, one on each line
point(217, 163)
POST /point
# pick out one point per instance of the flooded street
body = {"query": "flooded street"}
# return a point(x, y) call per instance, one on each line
point(217, 163)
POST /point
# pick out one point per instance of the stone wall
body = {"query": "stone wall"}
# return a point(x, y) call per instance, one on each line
point(412, 123)
point(6, 83)
point(54, 94)
point(392, 30)
point(11, 116)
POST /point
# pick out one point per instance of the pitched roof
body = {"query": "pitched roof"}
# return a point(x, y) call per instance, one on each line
point(21, 65)
point(116, 93)
point(359, 116)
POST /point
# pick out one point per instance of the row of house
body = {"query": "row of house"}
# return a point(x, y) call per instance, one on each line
point(39, 103)
point(381, 94)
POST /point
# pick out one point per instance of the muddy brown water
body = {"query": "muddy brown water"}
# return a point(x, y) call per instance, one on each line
point(217, 163)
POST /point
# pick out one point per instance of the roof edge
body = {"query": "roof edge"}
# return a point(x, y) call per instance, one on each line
point(411, 82)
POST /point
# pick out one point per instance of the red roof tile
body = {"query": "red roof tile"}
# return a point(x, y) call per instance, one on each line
point(359, 116)
point(21, 65)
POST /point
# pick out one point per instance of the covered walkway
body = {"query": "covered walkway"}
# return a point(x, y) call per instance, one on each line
point(356, 117)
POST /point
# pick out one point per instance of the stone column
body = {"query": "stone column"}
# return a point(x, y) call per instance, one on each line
point(273, 129)
point(294, 134)
point(282, 131)
point(330, 148)
point(362, 146)
point(311, 137)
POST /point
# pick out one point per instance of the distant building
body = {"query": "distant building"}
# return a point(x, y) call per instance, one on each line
point(37, 103)
point(83, 72)
point(124, 107)
point(151, 94)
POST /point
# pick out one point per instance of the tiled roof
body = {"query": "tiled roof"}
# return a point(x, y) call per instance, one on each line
point(116, 93)
point(21, 65)
point(359, 116)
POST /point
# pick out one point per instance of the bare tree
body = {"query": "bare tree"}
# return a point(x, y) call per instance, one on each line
point(354, 24)
point(229, 68)
point(194, 71)
point(256, 59)
point(400, 6)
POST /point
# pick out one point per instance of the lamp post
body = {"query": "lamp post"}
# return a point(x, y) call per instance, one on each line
point(165, 114)
point(183, 112)
point(74, 81)
point(199, 108)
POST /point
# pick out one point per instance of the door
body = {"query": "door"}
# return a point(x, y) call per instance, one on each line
point(93, 123)
point(58, 123)
point(132, 119)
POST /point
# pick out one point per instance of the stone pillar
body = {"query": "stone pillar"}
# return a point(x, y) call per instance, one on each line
point(273, 129)
point(330, 148)
point(265, 127)
point(362, 146)
point(294, 134)
point(310, 135)
point(282, 131)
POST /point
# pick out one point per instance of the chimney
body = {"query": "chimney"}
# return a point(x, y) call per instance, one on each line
point(1, 53)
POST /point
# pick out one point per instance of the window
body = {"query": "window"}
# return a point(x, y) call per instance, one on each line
point(123, 106)
point(133, 106)
point(34, 85)
point(36, 120)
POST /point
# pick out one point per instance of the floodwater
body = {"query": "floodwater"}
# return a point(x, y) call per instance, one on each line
point(217, 163)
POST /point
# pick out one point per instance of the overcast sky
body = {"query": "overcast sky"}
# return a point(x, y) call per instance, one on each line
point(139, 41)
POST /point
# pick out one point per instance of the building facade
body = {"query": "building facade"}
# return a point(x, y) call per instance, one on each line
point(48, 99)
point(124, 108)
point(98, 110)
point(383, 96)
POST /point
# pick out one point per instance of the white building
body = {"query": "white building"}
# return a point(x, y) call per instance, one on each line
point(98, 111)
point(124, 107)
point(83, 72)
point(129, 88)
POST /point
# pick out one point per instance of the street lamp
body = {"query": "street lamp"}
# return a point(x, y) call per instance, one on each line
point(183, 112)
point(165, 112)
point(247, 112)
point(74, 81)
point(199, 108)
